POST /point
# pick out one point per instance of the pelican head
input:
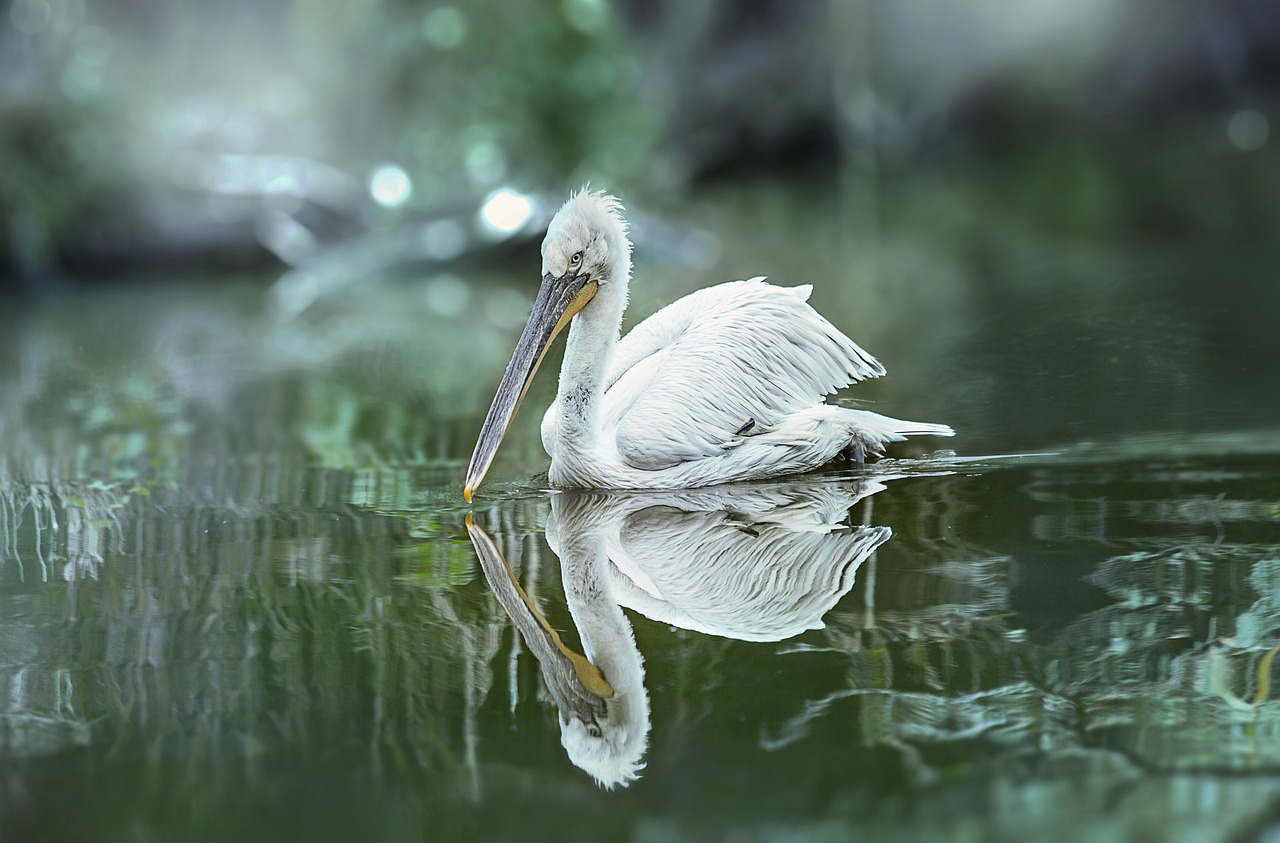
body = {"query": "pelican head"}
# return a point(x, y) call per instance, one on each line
point(588, 235)
point(586, 250)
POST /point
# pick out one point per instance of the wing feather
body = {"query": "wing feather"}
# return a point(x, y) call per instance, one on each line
point(683, 383)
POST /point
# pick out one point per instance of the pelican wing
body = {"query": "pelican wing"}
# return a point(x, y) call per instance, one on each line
point(722, 363)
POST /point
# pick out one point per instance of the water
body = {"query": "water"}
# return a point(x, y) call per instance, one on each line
point(239, 599)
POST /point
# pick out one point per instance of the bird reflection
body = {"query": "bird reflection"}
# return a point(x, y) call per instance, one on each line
point(756, 563)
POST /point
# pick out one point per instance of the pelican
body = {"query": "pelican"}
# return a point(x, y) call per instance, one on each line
point(724, 385)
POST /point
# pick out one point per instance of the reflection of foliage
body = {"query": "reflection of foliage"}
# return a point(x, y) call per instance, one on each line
point(434, 565)
point(151, 482)
point(267, 612)
point(349, 430)
point(1175, 674)
point(55, 535)
point(65, 530)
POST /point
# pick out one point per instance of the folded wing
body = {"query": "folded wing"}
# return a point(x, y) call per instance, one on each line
point(722, 364)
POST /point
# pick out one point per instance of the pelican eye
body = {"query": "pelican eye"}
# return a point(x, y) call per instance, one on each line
point(576, 259)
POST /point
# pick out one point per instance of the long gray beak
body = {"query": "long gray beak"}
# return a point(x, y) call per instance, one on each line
point(559, 299)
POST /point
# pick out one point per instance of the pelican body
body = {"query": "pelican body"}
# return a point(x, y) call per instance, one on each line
point(724, 385)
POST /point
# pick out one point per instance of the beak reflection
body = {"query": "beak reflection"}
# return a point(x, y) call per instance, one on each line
point(575, 682)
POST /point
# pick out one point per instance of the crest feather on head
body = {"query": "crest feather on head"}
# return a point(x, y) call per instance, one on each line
point(596, 209)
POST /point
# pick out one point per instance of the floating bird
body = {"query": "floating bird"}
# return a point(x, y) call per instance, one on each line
point(724, 385)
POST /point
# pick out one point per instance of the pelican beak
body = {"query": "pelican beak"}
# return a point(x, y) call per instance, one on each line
point(559, 299)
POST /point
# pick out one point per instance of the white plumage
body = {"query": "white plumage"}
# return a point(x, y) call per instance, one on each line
point(724, 385)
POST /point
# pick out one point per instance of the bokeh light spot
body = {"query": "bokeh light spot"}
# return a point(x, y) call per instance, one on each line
point(586, 16)
point(445, 27)
point(93, 46)
point(1248, 130)
point(283, 96)
point(505, 211)
point(508, 309)
point(390, 186)
point(444, 240)
point(30, 16)
point(486, 163)
point(80, 81)
point(447, 296)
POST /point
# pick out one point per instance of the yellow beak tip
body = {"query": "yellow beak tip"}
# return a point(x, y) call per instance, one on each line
point(466, 494)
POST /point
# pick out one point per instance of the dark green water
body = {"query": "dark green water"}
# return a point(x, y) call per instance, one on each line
point(238, 599)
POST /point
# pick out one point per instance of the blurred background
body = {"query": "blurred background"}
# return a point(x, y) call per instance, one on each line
point(137, 136)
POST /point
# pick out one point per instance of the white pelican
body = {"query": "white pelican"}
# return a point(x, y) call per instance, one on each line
point(724, 385)
point(758, 563)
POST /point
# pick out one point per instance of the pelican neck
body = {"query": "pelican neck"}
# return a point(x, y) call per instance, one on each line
point(593, 335)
